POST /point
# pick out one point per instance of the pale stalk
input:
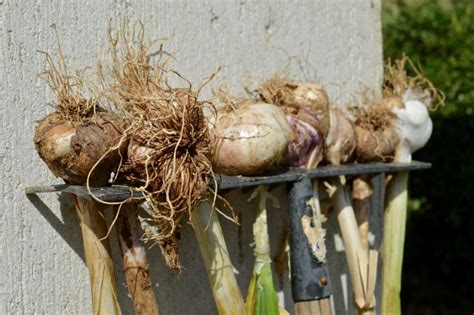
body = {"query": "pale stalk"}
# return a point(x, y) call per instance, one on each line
point(415, 127)
point(261, 297)
point(319, 307)
point(394, 238)
point(216, 260)
point(356, 258)
point(313, 162)
point(361, 199)
point(361, 194)
point(135, 263)
point(98, 257)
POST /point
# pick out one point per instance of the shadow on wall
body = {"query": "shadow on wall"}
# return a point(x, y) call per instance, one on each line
point(170, 286)
point(68, 228)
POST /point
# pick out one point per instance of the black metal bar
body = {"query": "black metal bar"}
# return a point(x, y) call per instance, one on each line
point(309, 276)
point(108, 194)
point(120, 193)
point(292, 174)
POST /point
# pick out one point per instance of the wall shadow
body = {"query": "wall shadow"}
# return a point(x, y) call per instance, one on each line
point(68, 228)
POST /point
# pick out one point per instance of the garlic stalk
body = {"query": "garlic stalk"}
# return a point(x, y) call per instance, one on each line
point(135, 263)
point(414, 127)
point(361, 196)
point(261, 296)
point(98, 257)
point(216, 260)
point(362, 267)
point(217, 263)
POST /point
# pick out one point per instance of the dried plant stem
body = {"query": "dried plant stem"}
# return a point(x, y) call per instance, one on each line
point(361, 194)
point(135, 263)
point(393, 242)
point(319, 307)
point(216, 260)
point(356, 259)
point(98, 257)
point(351, 238)
point(315, 204)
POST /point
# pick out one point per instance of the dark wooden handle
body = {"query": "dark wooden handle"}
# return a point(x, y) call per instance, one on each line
point(309, 276)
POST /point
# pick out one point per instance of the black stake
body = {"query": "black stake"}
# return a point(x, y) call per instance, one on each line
point(311, 288)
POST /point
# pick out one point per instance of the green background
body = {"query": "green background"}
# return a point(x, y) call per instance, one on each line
point(438, 264)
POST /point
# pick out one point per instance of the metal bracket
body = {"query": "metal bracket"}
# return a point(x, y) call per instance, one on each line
point(309, 276)
point(281, 175)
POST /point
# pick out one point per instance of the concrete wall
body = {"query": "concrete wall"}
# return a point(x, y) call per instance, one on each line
point(338, 42)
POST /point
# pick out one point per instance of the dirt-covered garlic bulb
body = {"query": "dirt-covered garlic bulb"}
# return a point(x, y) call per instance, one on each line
point(71, 149)
point(376, 135)
point(72, 139)
point(249, 139)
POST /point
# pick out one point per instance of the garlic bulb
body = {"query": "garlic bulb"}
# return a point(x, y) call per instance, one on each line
point(414, 126)
point(249, 139)
point(71, 149)
point(341, 139)
point(305, 139)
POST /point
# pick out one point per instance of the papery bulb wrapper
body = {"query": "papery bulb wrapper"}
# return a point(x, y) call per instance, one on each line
point(249, 139)
point(304, 141)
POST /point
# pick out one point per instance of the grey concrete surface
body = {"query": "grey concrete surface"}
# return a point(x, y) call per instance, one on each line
point(337, 42)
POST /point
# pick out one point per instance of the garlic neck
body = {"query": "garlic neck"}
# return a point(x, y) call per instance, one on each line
point(403, 154)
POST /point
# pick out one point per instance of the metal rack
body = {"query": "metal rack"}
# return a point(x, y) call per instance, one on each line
point(281, 175)
point(309, 276)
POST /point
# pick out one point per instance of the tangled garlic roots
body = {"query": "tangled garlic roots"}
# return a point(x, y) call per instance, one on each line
point(398, 82)
point(168, 153)
point(168, 157)
point(80, 132)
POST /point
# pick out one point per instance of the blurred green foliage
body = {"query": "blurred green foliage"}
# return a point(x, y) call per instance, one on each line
point(439, 254)
point(441, 40)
